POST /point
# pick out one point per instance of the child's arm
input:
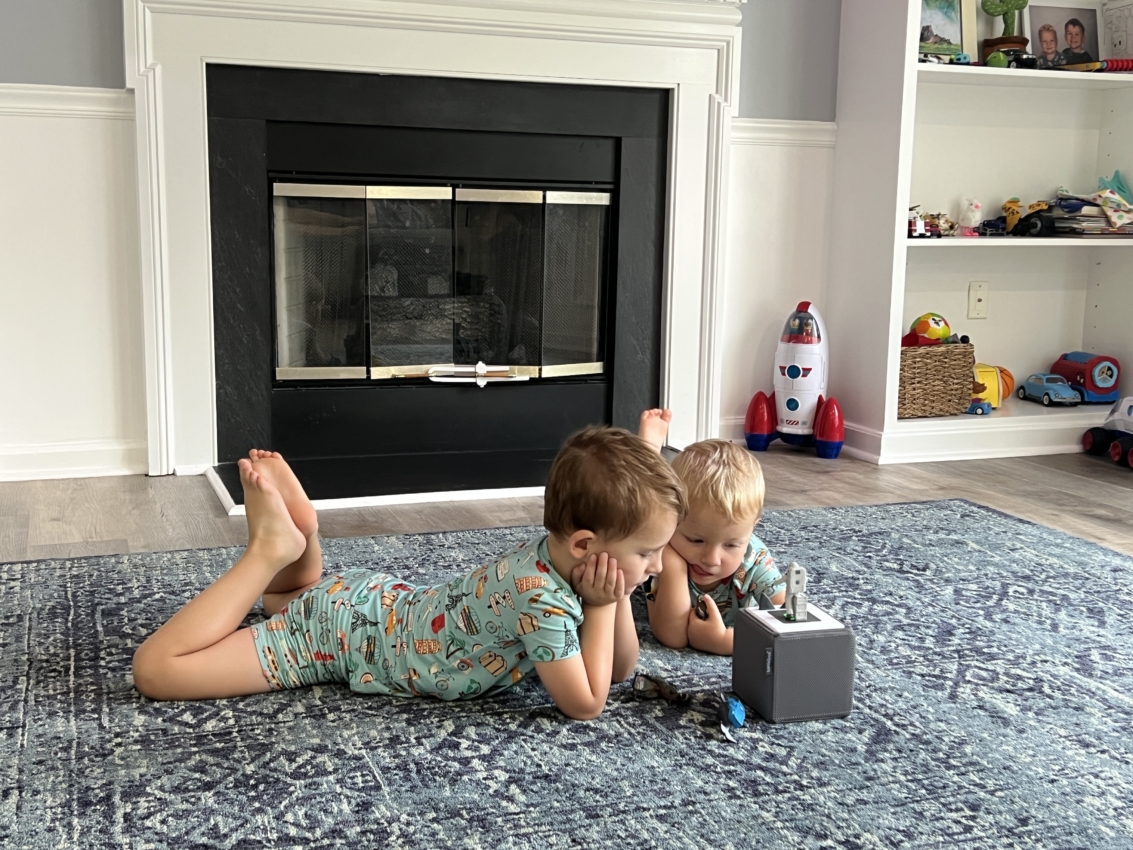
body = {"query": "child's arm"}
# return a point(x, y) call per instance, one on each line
point(709, 635)
point(580, 684)
point(626, 647)
point(669, 611)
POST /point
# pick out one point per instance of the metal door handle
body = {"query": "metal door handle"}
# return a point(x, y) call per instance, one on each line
point(480, 374)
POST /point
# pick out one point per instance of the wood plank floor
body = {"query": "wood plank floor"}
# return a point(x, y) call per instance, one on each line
point(1085, 496)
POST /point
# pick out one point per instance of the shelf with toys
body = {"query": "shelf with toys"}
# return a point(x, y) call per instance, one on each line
point(933, 136)
point(970, 75)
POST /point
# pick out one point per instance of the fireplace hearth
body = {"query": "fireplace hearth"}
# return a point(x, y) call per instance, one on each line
point(424, 285)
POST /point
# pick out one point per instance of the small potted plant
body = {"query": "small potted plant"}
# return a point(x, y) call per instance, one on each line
point(1012, 38)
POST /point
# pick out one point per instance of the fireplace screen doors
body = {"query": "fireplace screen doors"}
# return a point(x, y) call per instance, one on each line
point(434, 282)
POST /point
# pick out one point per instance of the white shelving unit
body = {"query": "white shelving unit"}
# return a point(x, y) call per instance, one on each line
point(931, 135)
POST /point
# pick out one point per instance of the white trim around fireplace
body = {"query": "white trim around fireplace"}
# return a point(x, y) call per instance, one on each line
point(689, 47)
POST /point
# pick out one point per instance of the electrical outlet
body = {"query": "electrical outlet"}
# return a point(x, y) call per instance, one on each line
point(977, 299)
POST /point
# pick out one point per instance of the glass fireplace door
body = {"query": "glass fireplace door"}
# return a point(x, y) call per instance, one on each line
point(409, 240)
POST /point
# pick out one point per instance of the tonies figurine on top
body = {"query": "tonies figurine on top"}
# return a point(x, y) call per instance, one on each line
point(798, 411)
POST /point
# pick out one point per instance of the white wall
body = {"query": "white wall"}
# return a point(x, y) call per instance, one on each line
point(778, 194)
point(70, 324)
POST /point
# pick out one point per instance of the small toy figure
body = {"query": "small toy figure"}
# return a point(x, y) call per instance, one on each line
point(797, 412)
point(1093, 376)
point(795, 605)
point(970, 217)
point(1115, 436)
point(651, 687)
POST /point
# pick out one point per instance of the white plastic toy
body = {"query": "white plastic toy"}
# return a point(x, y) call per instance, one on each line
point(799, 409)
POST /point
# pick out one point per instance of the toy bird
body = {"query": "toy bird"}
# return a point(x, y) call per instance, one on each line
point(970, 217)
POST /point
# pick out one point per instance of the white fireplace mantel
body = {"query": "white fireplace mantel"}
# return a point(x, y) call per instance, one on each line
point(689, 47)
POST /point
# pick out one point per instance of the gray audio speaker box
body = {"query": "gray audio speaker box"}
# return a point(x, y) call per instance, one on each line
point(793, 671)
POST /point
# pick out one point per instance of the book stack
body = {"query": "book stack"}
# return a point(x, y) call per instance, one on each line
point(1072, 217)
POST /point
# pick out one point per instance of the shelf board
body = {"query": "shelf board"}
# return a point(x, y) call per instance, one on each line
point(955, 242)
point(979, 75)
point(1014, 414)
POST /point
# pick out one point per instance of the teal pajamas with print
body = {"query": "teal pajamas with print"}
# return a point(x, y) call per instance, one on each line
point(477, 634)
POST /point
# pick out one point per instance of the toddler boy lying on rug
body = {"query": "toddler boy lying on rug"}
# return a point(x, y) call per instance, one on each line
point(558, 604)
point(714, 554)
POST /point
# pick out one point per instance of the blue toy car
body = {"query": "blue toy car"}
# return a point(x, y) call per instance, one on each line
point(1048, 389)
point(979, 407)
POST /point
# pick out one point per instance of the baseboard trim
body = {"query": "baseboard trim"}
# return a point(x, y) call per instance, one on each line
point(232, 509)
point(79, 459)
point(763, 131)
point(66, 102)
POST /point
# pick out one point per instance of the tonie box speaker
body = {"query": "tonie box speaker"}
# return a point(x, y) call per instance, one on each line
point(790, 671)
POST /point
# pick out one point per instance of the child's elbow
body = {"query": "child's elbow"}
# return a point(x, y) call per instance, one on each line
point(580, 712)
point(672, 640)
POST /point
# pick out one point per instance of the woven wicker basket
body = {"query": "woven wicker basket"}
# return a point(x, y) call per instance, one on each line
point(936, 380)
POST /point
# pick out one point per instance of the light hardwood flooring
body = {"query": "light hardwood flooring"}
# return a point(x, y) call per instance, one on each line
point(1085, 496)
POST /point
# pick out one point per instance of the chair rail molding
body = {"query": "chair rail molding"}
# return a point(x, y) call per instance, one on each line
point(65, 102)
point(787, 133)
point(689, 47)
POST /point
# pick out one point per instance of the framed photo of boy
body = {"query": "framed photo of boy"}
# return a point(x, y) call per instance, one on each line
point(1065, 32)
point(948, 27)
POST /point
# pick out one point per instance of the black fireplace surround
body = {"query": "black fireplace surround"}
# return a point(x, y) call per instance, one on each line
point(358, 438)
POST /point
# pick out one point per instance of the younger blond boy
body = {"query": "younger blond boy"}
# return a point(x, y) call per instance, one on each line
point(714, 554)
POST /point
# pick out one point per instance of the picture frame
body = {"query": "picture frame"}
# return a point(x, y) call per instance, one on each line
point(948, 27)
point(1052, 25)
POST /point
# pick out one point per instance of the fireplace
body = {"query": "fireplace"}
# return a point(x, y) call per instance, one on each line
point(424, 285)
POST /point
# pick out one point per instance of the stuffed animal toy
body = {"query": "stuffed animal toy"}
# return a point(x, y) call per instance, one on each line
point(929, 329)
point(970, 217)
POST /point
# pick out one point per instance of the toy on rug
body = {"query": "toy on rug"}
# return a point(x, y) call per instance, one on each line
point(793, 663)
point(729, 711)
point(970, 217)
point(1115, 436)
point(798, 412)
point(1093, 376)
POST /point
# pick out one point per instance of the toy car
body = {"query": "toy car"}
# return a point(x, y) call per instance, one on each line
point(1017, 58)
point(919, 228)
point(979, 407)
point(1115, 436)
point(1093, 376)
point(1048, 389)
point(993, 227)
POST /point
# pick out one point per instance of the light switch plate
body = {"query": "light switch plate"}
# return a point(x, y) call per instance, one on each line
point(977, 299)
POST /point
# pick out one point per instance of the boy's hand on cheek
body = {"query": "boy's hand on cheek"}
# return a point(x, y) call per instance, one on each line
point(703, 634)
point(598, 581)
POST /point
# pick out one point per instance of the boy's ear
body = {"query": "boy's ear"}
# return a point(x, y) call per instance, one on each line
point(581, 543)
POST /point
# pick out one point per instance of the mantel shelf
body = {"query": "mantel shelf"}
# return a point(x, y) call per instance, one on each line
point(958, 242)
point(1019, 77)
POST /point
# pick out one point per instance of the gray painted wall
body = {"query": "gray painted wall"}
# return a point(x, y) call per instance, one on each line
point(62, 43)
point(789, 64)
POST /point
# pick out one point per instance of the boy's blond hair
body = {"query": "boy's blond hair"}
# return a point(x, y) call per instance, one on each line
point(723, 476)
point(609, 481)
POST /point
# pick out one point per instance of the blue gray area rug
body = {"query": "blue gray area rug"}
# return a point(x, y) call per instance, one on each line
point(993, 708)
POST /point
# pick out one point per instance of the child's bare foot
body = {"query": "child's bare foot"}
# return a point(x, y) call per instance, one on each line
point(271, 531)
point(274, 468)
point(654, 427)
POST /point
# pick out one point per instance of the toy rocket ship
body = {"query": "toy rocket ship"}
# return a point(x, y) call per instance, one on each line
point(798, 412)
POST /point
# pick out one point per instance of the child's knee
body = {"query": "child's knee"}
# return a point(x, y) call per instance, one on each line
point(147, 670)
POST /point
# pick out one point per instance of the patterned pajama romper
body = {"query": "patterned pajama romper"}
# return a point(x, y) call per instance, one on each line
point(477, 634)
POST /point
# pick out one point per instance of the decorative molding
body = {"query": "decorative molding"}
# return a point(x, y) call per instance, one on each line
point(707, 26)
point(79, 459)
point(66, 102)
point(712, 286)
point(762, 131)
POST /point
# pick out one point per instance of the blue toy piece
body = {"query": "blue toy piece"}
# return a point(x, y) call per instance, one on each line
point(979, 407)
point(961, 59)
point(1048, 389)
point(732, 712)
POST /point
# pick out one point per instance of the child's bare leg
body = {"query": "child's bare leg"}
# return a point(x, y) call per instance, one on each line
point(199, 653)
point(654, 427)
point(307, 569)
